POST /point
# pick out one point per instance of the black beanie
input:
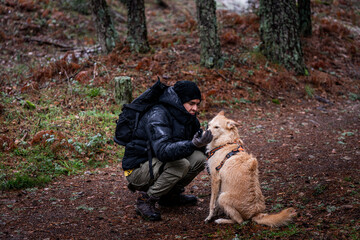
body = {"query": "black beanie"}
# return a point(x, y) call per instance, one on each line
point(187, 91)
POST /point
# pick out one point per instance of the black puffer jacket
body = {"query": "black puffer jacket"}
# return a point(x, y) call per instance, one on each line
point(168, 127)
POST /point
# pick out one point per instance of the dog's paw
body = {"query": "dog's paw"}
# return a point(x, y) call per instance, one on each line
point(224, 221)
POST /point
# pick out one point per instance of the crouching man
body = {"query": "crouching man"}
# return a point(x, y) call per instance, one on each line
point(172, 131)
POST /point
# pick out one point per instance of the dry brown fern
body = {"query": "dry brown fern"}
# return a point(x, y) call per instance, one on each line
point(57, 141)
point(6, 144)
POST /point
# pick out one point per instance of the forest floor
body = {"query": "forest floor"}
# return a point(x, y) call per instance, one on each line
point(60, 171)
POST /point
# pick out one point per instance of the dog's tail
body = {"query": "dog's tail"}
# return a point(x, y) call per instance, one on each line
point(275, 220)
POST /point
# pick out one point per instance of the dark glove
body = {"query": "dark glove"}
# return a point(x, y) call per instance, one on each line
point(201, 140)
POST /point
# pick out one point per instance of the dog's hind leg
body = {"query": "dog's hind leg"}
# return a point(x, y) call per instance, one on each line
point(227, 203)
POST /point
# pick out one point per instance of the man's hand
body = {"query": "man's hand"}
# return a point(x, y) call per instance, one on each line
point(202, 140)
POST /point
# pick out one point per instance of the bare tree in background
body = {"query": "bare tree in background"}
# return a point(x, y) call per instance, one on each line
point(304, 11)
point(210, 50)
point(136, 23)
point(106, 33)
point(280, 41)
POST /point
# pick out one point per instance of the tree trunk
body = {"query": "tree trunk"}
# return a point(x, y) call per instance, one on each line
point(210, 50)
point(137, 31)
point(123, 90)
point(106, 33)
point(304, 11)
point(280, 41)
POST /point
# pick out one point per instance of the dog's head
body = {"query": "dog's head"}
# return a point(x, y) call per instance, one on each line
point(224, 131)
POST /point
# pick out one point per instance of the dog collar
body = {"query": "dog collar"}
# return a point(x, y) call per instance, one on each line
point(230, 154)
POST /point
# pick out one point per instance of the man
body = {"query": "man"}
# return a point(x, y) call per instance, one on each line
point(172, 131)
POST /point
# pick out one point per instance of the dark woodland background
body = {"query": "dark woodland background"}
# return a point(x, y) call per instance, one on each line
point(295, 96)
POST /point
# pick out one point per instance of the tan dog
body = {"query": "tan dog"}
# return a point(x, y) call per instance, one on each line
point(234, 181)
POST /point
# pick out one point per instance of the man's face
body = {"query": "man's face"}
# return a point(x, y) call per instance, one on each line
point(192, 106)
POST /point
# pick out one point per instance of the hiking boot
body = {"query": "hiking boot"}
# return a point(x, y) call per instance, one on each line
point(178, 199)
point(145, 207)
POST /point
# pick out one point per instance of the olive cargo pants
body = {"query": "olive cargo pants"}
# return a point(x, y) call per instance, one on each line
point(167, 176)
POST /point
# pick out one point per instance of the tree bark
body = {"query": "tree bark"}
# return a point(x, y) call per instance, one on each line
point(304, 11)
point(106, 33)
point(280, 41)
point(137, 31)
point(210, 50)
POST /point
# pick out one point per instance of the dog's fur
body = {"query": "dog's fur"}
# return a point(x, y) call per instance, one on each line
point(235, 187)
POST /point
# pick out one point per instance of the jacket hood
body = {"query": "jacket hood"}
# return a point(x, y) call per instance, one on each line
point(170, 99)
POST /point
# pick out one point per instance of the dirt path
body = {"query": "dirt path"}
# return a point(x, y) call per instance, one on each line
point(308, 158)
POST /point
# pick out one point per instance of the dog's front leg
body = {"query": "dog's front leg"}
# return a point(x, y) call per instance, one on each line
point(215, 188)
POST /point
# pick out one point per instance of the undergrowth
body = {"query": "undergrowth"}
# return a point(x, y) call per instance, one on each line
point(54, 139)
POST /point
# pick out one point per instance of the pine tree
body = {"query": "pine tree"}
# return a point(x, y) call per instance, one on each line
point(304, 11)
point(137, 31)
point(280, 41)
point(106, 33)
point(210, 50)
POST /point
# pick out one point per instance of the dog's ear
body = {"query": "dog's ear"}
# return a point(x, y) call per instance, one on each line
point(221, 113)
point(230, 124)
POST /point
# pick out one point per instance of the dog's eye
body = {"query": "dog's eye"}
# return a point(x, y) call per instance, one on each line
point(216, 127)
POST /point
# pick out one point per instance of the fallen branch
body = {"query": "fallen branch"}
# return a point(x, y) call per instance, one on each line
point(119, 18)
point(48, 42)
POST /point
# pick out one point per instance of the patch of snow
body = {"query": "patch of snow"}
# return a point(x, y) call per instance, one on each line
point(237, 6)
